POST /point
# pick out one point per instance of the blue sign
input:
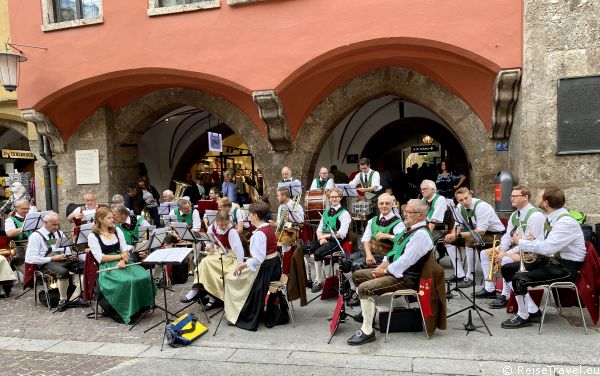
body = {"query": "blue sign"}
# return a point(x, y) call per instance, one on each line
point(501, 146)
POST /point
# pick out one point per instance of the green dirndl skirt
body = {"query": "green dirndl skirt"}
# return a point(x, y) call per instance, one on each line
point(128, 290)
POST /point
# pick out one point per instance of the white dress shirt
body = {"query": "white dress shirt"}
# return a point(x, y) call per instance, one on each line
point(566, 237)
point(345, 220)
point(439, 209)
point(328, 184)
point(258, 248)
point(367, 234)
point(37, 246)
point(375, 180)
point(535, 228)
point(417, 247)
point(234, 240)
point(296, 216)
point(485, 218)
point(94, 244)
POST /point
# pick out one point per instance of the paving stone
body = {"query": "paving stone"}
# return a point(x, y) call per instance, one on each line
point(204, 353)
point(120, 349)
point(74, 347)
point(260, 356)
point(380, 363)
point(446, 366)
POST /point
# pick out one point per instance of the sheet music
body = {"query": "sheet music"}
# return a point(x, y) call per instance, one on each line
point(33, 221)
point(181, 228)
point(348, 190)
point(144, 245)
point(166, 207)
point(169, 219)
point(143, 230)
point(294, 186)
point(210, 216)
point(158, 237)
point(84, 232)
point(245, 213)
point(167, 255)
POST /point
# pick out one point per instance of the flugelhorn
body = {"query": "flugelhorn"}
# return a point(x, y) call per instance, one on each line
point(494, 266)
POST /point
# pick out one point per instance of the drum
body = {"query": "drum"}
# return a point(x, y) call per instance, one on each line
point(315, 202)
point(381, 247)
point(361, 209)
point(287, 236)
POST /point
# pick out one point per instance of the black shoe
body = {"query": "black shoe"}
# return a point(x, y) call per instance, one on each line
point(62, 305)
point(360, 338)
point(536, 316)
point(500, 302)
point(516, 322)
point(465, 283)
point(309, 283)
point(452, 278)
point(484, 294)
point(316, 287)
point(358, 318)
point(79, 302)
point(348, 294)
point(210, 305)
point(3, 295)
point(353, 301)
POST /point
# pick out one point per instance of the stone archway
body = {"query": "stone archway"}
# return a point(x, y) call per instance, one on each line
point(19, 126)
point(458, 117)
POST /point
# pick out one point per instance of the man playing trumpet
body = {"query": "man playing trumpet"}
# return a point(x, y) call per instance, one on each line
point(526, 220)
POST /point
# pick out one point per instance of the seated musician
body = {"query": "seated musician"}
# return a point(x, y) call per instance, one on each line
point(42, 251)
point(127, 289)
point(235, 214)
point(336, 220)
point(291, 212)
point(377, 241)
point(129, 224)
point(208, 276)
point(247, 286)
point(286, 176)
point(437, 209)
point(560, 254)
point(91, 204)
point(184, 213)
point(13, 226)
point(322, 182)
point(168, 196)
point(527, 220)
point(368, 179)
point(400, 268)
point(480, 217)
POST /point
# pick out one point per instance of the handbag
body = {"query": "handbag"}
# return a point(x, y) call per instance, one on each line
point(276, 310)
point(404, 319)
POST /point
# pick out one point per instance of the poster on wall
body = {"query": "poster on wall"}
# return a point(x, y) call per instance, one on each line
point(215, 142)
point(87, 166)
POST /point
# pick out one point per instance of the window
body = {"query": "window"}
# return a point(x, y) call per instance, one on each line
point(61, 14)
point(159, 7)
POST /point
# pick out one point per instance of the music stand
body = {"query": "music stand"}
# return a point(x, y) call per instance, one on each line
point(348, 190)
point(84, 231)
point(210, 216)
point(164, 257)
point(144, 231)
point(469, 326)
point(67, 244)
point(168, 219)
point(33, 221)
point(294, 187)
point(166, 207)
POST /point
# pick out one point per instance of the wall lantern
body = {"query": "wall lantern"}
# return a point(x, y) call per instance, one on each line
point(9, 69)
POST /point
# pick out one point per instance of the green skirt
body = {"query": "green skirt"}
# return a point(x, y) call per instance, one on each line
point(127, 290)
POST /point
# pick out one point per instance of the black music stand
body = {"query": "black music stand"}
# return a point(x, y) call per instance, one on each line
point(469, 326)
point(168, 219)
point(34, 221)
point(166, 207)
point(145, 231)
point(294, 187)
point(65, 242)
point(164, 257)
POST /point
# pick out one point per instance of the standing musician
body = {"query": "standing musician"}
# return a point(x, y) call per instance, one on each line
point(247, 286)
point(336, 218)
point(322, 182)
point(14, 230)
point(400, 269)
point(377, 241)
point(91, 204)
point(437, 209)
point(560, 254)
point(289, 211)
point(42, 251)
point(369, 179)
point(527, 220)
point(226, 245)
point(128, 289)
point(482, 218)
point(184, 213)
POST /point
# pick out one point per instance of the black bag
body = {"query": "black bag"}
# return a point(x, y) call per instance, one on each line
point(180, 272)
point(276, 310)
point(53, 296)
point(403, 320)
point(588, 233)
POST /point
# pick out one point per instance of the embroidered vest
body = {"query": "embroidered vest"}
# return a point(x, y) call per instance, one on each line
point(431, 205)
point(223, 239)
point(271, 239)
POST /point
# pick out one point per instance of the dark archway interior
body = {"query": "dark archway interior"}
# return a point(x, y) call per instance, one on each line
point(382, 149)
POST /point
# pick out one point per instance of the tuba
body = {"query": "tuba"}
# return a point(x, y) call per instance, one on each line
point(180, 187)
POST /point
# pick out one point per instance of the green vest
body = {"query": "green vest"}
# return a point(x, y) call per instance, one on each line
point(432, 208)
point(467, 215)
point(400, 242)
point(187, 218)
point(516, 222)
point(376, 229)
point(131, 235)
point(366, 184)
point(18, 224)
point(234, 220)
point(318, 183)
point(330, 222)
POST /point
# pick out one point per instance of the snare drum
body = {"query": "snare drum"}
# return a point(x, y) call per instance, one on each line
point(315, 202)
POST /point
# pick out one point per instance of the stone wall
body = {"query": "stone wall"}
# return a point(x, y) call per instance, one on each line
point(561, 39)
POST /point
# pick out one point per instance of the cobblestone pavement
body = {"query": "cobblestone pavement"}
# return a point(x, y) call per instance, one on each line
point(17, 363)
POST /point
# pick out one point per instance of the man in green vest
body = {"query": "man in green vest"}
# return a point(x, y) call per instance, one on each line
point(400, 269)
point(369, 180)
point(13, 226)
point(185, 213)
point(437, 208)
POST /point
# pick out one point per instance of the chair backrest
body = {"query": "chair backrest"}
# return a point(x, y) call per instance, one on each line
point(90, 272)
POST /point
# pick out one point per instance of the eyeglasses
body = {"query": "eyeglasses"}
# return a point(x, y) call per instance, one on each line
point(514, 196)
point(334, 197)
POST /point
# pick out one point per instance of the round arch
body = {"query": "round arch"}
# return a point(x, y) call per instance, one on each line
point(458, 117)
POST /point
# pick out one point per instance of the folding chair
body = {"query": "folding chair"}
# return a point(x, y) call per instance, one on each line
point(405, 293)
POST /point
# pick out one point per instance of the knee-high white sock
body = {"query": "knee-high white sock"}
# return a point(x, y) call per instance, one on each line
point(506, 285)
point(318, 270)
point(368, 312)
point(522, 307)
point(470, 263)
point(63, 286)
point(77, 291)
point(350, 280)
point(485, 266)
point(192, 293)
point(460, 272)
point(531, 306)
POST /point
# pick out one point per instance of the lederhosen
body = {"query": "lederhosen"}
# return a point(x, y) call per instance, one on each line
point(320, 251)
point(543, 271)
point(19, 258)
point(59, 268)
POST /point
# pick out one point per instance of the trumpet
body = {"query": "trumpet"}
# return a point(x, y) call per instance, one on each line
point(526, 257)
point(494, 266)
